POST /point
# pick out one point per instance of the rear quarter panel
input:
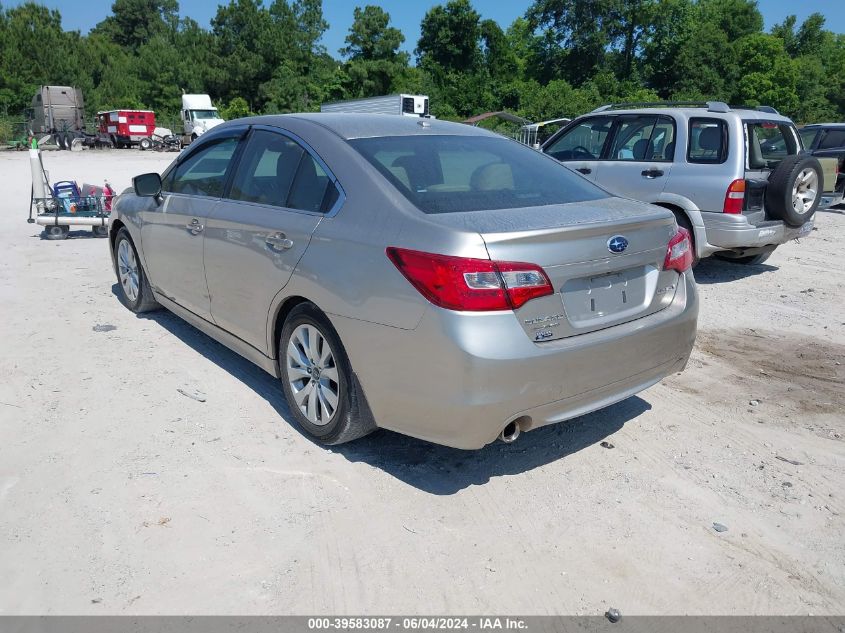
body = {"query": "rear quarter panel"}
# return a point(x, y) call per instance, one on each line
point(345, 271)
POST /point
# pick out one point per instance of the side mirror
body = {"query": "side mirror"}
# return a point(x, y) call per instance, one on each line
point(147, 185)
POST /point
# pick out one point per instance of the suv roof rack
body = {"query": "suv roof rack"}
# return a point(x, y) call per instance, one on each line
point(761, 108)
point(712, 106)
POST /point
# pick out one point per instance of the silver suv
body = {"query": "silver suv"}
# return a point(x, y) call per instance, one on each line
point(737, 178)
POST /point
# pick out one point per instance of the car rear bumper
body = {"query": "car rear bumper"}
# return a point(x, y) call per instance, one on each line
point(726, 231)
point(459, 378)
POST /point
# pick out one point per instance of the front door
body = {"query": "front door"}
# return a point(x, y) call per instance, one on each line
point(638, 162)
point(172, 233)
point(581, 145)
point(259, 232)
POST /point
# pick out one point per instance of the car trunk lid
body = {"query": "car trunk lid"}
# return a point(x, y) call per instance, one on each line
point(603, 258)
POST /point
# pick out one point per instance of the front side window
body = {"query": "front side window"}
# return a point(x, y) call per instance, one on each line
point(708, 141)
point(448, 174)
point(583, 141)
point(204, 172)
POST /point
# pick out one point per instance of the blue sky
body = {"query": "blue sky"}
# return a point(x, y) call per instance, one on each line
point(407, 14)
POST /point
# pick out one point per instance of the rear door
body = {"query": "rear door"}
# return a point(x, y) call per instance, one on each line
point(172, 232)
point(258, 234)
point(581, 145)
point(640, 157)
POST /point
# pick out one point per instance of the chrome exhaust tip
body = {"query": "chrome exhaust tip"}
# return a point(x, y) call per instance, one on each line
point(510, 432)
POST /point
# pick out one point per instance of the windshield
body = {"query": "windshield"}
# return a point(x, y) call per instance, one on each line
point(205, 114)
point(448, 174)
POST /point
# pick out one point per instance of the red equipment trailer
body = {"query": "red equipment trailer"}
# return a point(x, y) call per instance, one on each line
point(126, 127)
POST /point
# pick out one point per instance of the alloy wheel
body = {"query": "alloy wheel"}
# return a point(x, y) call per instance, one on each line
point(805, 190)
point(312, 374)
point(127, 267)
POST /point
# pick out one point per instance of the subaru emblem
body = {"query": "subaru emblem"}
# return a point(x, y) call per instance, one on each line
point(617, 244)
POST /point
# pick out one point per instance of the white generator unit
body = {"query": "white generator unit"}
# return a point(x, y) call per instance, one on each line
point(404, 105)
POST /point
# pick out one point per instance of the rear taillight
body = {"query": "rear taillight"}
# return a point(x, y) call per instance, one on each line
point(679, 252)
point(473, 285)
point(735, 197)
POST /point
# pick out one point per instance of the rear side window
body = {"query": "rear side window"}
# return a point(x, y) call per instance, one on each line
point(644, 138)
point(833, 138)
point(266, 170)
point(448, 174)
point(582, 141)
point(204, 172)
point(708, 141)
point(312, 189)
point(275, 170)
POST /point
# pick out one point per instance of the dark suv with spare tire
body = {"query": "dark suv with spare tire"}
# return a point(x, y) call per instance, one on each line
point(737, 178)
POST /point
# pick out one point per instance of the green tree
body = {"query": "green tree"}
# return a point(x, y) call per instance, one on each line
point(374, 59)
point(574, 37)
point(135, 22)
point(449, 37)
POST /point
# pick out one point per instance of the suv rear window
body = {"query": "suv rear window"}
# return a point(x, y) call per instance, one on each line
point(769, 142)
point(449, 174)
point(708, 141)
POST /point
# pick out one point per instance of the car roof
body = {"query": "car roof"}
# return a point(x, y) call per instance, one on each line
point(353, 125)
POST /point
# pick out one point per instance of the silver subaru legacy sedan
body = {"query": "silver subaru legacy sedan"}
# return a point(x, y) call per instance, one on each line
point(411, 274)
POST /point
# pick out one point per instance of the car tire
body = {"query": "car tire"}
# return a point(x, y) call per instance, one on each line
point(135, 291)
point(145, 144)
point(100, 231)
point(333, 412)
point(54, 232)
point(791, 185)
point(748, 260)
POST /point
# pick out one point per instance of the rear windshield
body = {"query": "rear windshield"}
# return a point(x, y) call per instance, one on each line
point(449, 174)
point(769, 143)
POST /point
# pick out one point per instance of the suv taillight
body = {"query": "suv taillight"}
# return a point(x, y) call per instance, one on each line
point(679, 252)
point(473, 285)
point(735, 197)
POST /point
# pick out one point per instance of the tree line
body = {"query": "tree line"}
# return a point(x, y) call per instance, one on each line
point(562, 58)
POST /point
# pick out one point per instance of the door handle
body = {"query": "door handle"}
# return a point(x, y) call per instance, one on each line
point(585, 170)
point(652, 173)
point(194, 227)
point(278, 241)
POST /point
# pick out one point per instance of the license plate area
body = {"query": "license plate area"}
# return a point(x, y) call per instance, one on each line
point(591, 301)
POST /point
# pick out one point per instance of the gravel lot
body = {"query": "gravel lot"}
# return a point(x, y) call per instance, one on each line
point(118, 494)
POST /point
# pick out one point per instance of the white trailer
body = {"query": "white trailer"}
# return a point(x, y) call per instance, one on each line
point(402, 104)
point(198, 117)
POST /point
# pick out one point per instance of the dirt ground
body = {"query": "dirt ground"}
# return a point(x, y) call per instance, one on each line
point(120, 495)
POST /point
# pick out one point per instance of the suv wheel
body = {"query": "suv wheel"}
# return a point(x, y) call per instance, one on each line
point(795, 189)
